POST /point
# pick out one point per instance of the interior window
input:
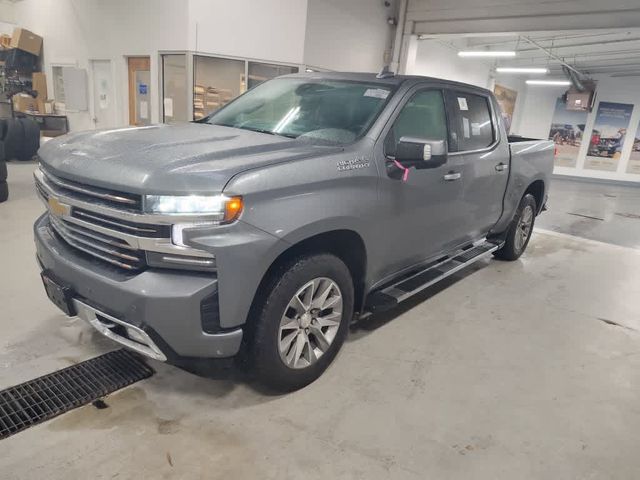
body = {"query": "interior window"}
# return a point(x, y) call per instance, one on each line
point(423, 116)
point(473, 126)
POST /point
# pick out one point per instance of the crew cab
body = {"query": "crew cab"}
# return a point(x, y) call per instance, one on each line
point(268, 225)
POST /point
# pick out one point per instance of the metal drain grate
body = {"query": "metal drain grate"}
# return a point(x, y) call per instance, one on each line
point(46, 397)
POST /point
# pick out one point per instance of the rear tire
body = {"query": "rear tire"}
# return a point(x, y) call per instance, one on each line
point(302, 321)
point(520, 230)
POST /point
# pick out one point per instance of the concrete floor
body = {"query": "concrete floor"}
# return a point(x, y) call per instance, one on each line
point(529, 369)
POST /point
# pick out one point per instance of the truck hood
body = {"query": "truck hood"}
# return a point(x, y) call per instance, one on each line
point(169, 159)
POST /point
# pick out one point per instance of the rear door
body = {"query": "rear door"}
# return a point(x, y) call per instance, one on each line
point(422, 216)
point(480, 145)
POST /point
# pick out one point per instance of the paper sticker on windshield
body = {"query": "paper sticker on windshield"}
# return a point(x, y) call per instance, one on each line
point(376, 93)
point(462, 103)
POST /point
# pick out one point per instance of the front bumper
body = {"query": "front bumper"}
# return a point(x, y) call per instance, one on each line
point(164, 305)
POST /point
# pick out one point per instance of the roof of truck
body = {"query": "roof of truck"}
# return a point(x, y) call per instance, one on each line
point(392, 80)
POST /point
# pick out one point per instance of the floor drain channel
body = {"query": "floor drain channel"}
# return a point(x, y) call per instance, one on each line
point(46, 397)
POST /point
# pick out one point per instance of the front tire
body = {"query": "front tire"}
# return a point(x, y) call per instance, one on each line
point(302, 322)
point(520, 230)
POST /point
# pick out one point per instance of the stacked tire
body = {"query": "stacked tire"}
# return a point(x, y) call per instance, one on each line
point(4, 187)
point(21, 138)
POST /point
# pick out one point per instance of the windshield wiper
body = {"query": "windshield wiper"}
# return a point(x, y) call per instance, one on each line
point(259, 130)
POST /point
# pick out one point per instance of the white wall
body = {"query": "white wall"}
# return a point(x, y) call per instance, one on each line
point(76, 31)
point(435, 59)
point(265, 29)
point(348, 35)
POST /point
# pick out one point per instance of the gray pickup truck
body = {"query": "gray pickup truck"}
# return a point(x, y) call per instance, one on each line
point(269, 225)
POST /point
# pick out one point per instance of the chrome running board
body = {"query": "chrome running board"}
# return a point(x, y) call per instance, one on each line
point(415, 282)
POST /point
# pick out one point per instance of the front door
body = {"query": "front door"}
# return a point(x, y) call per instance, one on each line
point(104, 109)
point(420, 215)
point(484, 157)
point(139, 94)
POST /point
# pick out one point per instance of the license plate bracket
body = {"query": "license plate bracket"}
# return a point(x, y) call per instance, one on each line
point(61, 295)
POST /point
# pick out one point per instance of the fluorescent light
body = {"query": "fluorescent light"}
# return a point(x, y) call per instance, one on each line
point(521, 70)
point(548, 82)
point(485, 53)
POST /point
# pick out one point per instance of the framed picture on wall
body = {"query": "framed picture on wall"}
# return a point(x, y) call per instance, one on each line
point(567, 131)
point(634, 159)
point(507, 101)
point(608, 136)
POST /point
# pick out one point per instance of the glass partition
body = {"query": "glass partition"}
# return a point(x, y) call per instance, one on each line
point(260, 72)
point(175, 92)
point(216, 82)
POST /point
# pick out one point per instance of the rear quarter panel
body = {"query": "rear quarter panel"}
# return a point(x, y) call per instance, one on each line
point(530, 161)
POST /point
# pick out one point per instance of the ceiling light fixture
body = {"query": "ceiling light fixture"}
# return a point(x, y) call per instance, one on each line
point(486, 53)
point(549, 82)
point(521, 70)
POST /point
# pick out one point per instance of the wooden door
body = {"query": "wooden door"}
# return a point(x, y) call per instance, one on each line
point(139, 90)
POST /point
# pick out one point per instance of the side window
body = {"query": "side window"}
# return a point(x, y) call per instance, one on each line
point(423, 116)
point(473, 124)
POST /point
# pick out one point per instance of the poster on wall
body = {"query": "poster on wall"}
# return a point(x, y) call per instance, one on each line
point(634, 160)
point(567, 130)
point(507, 101)
point(608, 136)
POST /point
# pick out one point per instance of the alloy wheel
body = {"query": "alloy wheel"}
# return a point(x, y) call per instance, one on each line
point(310, 323)
point(523, 229)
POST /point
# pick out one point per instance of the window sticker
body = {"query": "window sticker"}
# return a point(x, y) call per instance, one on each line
point(376, 93)
point(462, 103)
point(475, 129)
point(465, 127)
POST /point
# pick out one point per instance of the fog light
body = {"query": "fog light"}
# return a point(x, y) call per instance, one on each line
point(135, 335)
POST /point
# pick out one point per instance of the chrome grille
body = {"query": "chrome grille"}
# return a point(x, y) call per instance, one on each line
point(90, 193)
point(109, 249)
point(119, 235)
point(131, 228)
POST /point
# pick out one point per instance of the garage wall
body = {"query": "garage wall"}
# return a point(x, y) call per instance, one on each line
point(76, 31)
point(537, 112)
point(436, 59)
point(348, 35)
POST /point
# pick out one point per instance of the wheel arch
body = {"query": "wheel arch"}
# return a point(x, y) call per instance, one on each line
point(346, 244)
point(537, 189)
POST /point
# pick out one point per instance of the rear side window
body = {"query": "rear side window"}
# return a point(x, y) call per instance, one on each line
point(423, 116)
point(473, 125)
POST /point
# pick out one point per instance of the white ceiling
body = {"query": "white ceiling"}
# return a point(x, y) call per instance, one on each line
point(489, 16)
point(608, 52)
point(593, 36)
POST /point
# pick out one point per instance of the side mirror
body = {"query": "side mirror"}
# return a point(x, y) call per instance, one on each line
point(421, 152)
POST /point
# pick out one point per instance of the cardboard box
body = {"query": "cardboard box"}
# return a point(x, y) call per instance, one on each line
point(39, 82)
point(26, 40)
point(5, 40)
point(24, 103)
point(48, 107)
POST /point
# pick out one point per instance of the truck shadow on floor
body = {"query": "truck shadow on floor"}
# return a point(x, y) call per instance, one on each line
point(363, 327)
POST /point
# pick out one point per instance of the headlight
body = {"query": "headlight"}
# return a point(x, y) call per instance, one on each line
point(221, 208)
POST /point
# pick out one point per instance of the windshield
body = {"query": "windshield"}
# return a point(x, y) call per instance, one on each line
point(327, 110)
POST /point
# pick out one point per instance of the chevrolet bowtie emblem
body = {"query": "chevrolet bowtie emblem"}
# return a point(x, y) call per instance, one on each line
point(56, 208)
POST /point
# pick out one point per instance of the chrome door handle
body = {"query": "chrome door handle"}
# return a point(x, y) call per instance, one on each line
point(450, 177)
point(501, 167)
